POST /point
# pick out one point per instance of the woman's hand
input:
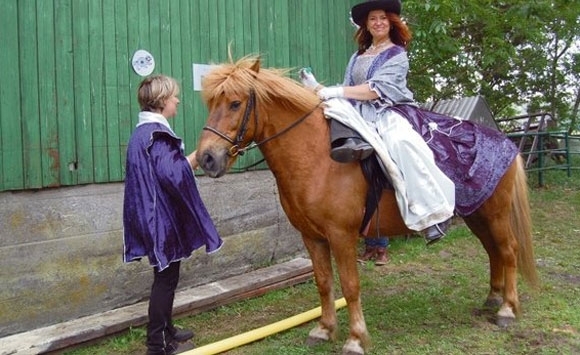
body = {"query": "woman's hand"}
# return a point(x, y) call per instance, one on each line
point(192, 160)
point(330, 92)
point(308, 79)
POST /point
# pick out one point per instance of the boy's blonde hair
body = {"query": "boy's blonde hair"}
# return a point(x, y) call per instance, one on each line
point(154, 91)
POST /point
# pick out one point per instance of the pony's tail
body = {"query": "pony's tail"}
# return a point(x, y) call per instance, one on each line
point(521, 222)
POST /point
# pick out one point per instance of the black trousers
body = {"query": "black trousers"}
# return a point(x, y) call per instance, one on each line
point(341, 131)
point(160, 328)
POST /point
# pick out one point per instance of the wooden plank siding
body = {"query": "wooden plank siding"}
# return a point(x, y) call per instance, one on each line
point(68, 91)
point(11, 132)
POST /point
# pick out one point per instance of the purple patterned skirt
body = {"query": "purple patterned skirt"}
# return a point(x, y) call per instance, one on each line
point(473, 156)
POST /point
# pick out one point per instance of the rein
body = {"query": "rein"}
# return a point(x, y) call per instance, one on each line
point(235, 149)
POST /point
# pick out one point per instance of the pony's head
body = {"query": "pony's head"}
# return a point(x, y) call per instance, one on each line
point(240, 97)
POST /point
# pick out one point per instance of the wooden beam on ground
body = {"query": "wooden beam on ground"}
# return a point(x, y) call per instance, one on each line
point(187, 302)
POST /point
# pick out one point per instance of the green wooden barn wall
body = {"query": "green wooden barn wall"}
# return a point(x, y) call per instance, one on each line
point(67, 88)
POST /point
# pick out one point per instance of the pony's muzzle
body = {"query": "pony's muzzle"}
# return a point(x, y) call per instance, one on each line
point(212, 163)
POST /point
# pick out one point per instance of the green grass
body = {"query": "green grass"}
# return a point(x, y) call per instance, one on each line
point(426, 300)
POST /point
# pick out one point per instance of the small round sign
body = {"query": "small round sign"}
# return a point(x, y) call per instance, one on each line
point(143, 62)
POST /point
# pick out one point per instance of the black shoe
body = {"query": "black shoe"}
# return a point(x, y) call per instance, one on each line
point(436, 232)
point(172, 348)
point(182, 335)
point(352, 149)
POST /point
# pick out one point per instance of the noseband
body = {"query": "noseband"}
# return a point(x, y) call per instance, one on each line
point(251, 106)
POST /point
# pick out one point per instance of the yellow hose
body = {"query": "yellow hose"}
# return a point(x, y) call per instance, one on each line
point(259, 333)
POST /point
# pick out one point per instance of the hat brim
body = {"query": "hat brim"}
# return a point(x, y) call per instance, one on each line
point(359, 12)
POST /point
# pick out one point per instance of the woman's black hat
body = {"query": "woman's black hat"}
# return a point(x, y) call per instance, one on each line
point(359, 12)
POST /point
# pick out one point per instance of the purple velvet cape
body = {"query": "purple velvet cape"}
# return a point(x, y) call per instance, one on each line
point(164, 217)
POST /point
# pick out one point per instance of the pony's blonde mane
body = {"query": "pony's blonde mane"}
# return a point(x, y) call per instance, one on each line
point(270, 85)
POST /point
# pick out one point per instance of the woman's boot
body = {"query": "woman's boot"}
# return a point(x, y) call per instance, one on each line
point(367, 255)
point(381, 256)
point(436, 232)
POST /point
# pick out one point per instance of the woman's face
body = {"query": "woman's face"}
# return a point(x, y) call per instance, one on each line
point(170, 109)
point(378, 24)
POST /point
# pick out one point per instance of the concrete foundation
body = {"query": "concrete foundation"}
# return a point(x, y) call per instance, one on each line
point(61, 249)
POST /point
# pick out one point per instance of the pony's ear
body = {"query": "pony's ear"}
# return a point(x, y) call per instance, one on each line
point(256, 66)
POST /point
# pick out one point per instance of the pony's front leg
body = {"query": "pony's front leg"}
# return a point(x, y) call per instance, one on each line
point(345, 256)
point(319, 252)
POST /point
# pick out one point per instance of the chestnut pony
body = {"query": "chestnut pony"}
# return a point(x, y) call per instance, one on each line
point(324, 200)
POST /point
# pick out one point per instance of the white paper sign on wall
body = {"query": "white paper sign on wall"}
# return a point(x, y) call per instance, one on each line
point(199, 70)
point(143, 62)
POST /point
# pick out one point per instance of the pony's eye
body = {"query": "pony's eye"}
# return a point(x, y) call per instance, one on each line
point(235, 105)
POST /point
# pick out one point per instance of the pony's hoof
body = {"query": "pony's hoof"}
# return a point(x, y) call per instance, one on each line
point(504, 322)
point(319, 335)
point(505, 317)
point(352, 348)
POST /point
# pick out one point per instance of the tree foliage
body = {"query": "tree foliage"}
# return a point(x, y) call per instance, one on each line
point(515, 53)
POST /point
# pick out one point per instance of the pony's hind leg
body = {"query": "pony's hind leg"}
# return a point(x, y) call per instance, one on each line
point(492, 225)
point(319, 252)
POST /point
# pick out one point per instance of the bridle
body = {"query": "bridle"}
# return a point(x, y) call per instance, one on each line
point(235, 149)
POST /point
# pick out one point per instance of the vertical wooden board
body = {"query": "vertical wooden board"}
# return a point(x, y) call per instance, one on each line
point(294, 35)
point(255, 28)
point(11, 144)
point(337, 19)
point(172, 23)
point(281, 33)
point(212, 28)
point(232, 37)
point(49, 153)
point(160, 35)
point(266, 40)
point(126, 95)
point(28, 41)
point(333, 37)
point(321, 35)
point(140, 25)
point(197, 13)
point(200, 15)
point(222, 34)
point(325, 36)
point(243, 9)
point(322, 38)
point(189, 47)
point(65, 94)
point(308, 33)
point(204, 15)
point(82, 87)
point(111, 92)
point(133, 29)
point(97, 92)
